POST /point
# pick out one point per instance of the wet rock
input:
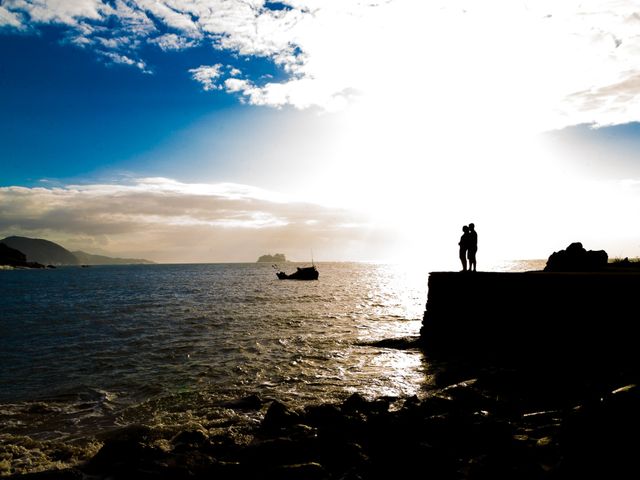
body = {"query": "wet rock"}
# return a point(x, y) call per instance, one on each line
point(340, 456)
point(191, 438)
point(322, 416)
point(303, 471)
point(411, 402)
point(301, 431)
point(125, 449)
point(463, 393)
point(279, 416)
point(355, 403)
point(280, 451)
point(601, 437)
point(194, 464)
point(66, 474)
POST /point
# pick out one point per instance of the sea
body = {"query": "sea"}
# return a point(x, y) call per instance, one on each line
point(84, 351)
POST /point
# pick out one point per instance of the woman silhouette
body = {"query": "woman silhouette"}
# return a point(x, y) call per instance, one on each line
point(464, 247)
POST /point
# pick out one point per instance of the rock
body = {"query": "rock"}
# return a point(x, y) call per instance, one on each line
point(273, 452)
point(191, 438)
point(324, 416)
point(65, 474)
point(302, 471)
point(600, 438)
point(279, 416)
point(125, 450)
point(355, 403)
point(576, 259)
point(340, 456)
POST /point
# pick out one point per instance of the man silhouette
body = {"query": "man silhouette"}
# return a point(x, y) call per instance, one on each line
point(472, 247)
point(464, 247)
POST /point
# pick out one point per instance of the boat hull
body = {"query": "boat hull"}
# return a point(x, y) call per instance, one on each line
point(309, 273)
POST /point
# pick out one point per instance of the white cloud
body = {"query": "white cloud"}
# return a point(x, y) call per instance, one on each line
point(171, 41)
point(59, 11)
point(233, 85)
point(548, 63)
point(206, 74)
point(173, 14)
point(124, 60)
point(166, 220)
point(9, 19)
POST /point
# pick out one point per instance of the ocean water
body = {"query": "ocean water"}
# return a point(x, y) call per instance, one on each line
point(87, 350)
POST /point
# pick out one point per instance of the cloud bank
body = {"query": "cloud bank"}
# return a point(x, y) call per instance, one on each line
point(168, 221)
point(555, 63)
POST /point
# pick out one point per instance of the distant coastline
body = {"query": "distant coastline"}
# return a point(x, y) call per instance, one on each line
point(28, 252)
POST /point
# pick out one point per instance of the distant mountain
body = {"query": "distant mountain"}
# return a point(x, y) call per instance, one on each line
point(277, 258)
point(89, 259)
point(41, 251)
point(15, 258)
point(50, 253)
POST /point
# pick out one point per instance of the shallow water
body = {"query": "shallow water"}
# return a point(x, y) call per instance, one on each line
point(87, 350)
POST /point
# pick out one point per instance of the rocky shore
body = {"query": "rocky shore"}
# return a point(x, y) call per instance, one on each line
point(496, 423)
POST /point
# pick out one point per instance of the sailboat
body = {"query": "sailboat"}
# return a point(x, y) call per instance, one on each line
point(301, 273)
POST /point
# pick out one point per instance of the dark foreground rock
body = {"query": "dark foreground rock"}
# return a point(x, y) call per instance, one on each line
point(499, 425)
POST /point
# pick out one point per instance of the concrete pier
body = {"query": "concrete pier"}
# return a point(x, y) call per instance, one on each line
point(533, 315)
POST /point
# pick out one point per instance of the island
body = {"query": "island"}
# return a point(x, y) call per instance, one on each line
point(276, 258)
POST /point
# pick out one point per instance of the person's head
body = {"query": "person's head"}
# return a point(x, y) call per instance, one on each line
point(472, 227)
point(465, 229)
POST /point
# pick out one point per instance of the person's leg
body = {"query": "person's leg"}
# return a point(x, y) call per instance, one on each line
point(463, 259)
point(472, 260)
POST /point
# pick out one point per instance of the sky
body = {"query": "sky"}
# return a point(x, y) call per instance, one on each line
point(220, 130)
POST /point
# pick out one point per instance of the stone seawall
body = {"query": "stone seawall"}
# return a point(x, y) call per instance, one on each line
point(533, 315)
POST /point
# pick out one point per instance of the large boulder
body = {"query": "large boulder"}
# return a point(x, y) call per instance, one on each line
point(576, 259)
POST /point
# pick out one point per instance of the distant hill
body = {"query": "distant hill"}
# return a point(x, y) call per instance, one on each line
point(89, 259)
point(41, 251)
point(50, 253)
point(277, 258)
point(15, 258)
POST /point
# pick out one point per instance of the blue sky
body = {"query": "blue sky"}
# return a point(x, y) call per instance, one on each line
point(68, 115)
point(263, 126)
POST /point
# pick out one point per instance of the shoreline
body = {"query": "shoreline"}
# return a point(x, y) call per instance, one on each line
point(483, 421)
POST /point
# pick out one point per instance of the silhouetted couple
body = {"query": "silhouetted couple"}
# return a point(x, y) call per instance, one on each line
point(468, 247)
